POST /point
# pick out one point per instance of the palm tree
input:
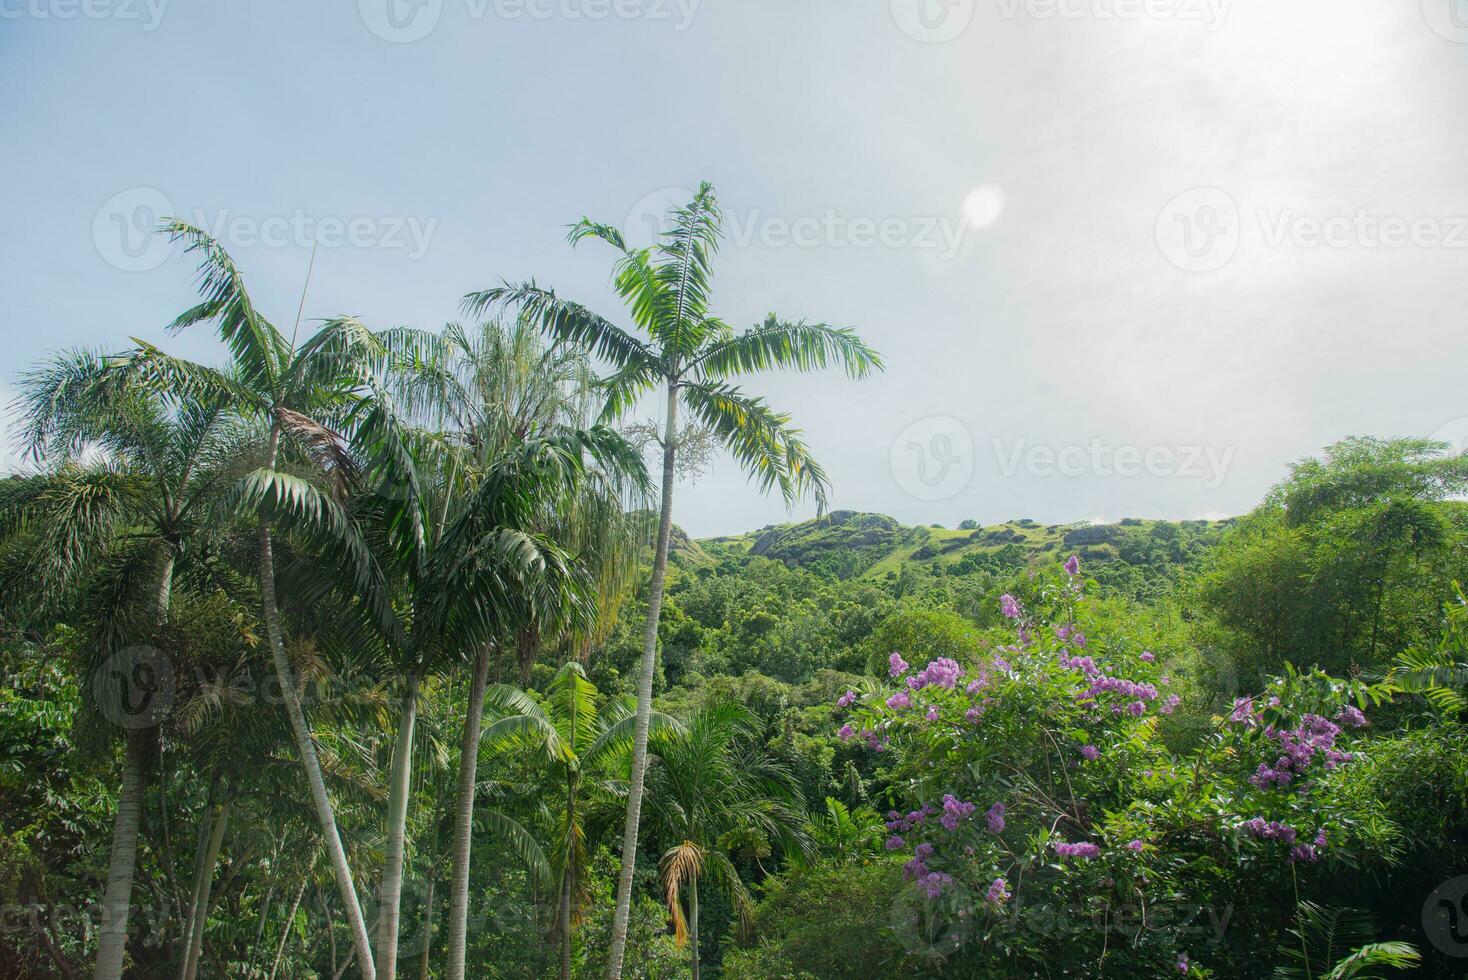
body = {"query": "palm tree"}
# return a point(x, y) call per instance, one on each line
point(691, 355)
point(498, 393)
point(1336, 944)
point(132, 470)
point(578, 742)
point(711, 788)
point(298, 393)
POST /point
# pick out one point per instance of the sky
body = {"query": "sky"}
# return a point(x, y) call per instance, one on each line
point(1123, 258)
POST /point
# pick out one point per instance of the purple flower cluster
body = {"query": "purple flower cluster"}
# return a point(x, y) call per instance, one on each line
point(933, 883)
point(846, 733)
point(1083, 849)
point(1269, 829)
point(1073, 565)
point(1314, 736)
point(1147, 656)
point(943, 672)
point(895, 843)
point(1244, 713)
point(1090, 753)
point(998, 892)
point(844, 701)
point(1169, 704)
point(1351, 715)
point(896, 666)
point(954, 810)
point(899, 700)
point(1009, 606)
point(1309, 853)
point(896, 821)
point(1135, 846)
point(995, 818)
point(1101, 684)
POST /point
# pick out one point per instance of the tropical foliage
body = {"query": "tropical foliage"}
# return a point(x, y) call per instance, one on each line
point(377, 652)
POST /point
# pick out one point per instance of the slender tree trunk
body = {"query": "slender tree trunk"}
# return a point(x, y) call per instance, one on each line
point(693, 921)
point(286, 930)
point(260, 926)
point(200, 913)
point(427, 926)
point(201, 847)
point(117, 900)
point(464, 815)
point(568, 877)
point(305, 745)
point(112, 940)
point(644, 696)
point(390, 900)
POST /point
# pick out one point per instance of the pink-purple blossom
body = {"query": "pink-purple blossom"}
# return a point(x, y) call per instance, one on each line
point(896, 666)
point(1090, 753)
point(899, 700)
point(954, 810)
point(846, 734)
point(1009, 606)
point(998, 892)
point(995, 818)
point(1073, 565)
point(845, 700)
point(1083, 849)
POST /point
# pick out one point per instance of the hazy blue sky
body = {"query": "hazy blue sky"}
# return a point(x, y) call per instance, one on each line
point(1124, 257)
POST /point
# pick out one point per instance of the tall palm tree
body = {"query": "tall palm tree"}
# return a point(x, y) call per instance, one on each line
point(496, 392)
point(712, 786)
point(301, 394)
point(692, 356)
point(578, 741)
point(127, 469)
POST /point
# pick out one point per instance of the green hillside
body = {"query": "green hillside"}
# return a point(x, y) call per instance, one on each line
point(1131, 554)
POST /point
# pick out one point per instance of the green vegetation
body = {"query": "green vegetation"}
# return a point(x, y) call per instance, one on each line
point(358, 656)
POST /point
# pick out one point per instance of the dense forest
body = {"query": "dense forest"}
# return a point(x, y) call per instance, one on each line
point(380, 652)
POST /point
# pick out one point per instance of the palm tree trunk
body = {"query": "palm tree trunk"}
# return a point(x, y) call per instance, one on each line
point(644, 696)
point(464, 815)
point(390, 901)
point(568, 875)
point(200, 914)
point(286, 930)
point(117, 900)
point(693, 921)
point(112, 940)
point(427, 925)
point(285, 676)
point(563, 921)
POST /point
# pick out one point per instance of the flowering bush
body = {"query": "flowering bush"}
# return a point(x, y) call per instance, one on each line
point(1046, 822)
